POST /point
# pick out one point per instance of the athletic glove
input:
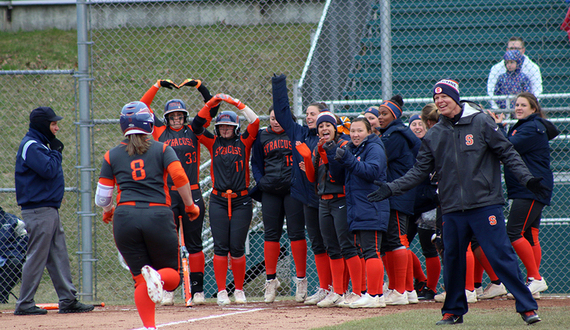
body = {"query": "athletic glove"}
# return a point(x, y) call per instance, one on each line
point(339, 153)
point(329, 145)
point(166, 83)
point(193, 211)
point(56, 145)
point(108, 216)
point(538, 188)
point(230, 100)
point(381, 193)
point(191, 82)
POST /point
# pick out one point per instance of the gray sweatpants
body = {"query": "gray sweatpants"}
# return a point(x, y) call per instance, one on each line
point(46, 249)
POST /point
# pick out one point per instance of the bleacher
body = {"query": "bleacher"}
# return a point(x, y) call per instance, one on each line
point(461, 39)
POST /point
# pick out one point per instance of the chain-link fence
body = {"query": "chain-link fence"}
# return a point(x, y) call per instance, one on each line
point(351, 54)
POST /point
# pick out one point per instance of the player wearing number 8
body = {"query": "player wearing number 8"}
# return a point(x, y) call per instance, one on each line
point(143, 223)
point(230, 206)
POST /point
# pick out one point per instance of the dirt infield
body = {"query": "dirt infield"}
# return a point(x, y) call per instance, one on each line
point(284, 314)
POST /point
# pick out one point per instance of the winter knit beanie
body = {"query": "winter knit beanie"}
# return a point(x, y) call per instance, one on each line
point(326, 116)
point(394, 108)
point(448, 87)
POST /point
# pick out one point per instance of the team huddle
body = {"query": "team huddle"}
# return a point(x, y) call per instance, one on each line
point(362, 190)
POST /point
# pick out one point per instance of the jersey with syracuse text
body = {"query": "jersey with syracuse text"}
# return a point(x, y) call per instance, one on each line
point(274, 167)
point(185, 144)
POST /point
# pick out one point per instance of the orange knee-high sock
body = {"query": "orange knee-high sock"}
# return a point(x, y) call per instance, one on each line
point(145, 306)
point(345, 278)
point(470, 265)
point(536, 247)
point(271, 252)
point(400, 269)
point(417, 267)
point(478, 270)
point(363, 271)
point(221, 271)
point(337, 271)
point(526, 254)
point(299, 251)
point(410, 272)
point(322, 263)
point(389, 266)
point(485, 263)
point(170, 278)
point(196, 261)
point(238, 269)
point(433, 270)
point(375, 276)
point(355, 270)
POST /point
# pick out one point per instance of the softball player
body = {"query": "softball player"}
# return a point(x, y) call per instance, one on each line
point(176, 132)
point(301, 189)
point(143, 223)
point(272, 163)
point(230, 205)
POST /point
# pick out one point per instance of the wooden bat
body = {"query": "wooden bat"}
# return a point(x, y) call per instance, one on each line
point(185, 266)
point(52, 306)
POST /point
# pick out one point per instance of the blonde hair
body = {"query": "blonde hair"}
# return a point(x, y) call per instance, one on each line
point(430, 112)
point(138, 144)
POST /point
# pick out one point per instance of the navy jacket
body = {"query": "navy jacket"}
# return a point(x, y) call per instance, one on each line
point(402, 146)
point(361, 166)
point(12, 243)
point(529, 136)
point(301, 188)
point(39, 175)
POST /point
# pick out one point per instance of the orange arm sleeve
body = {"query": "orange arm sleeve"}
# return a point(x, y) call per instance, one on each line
point(305, 152)
point(177, 173)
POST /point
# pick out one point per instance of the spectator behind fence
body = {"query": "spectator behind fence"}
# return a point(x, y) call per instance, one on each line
point(513, 81)
point(529, 68)
point(13, 245)
point(39, 192)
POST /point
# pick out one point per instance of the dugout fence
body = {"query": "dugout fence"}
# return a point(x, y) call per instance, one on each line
point(350, 54)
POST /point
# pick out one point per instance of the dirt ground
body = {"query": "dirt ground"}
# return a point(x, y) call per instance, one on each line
point(283, 314)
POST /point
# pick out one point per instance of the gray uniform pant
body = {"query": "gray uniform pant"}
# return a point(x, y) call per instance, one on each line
point(46, 249)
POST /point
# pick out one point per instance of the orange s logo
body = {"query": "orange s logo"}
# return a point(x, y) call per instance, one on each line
point(492, 220)
point(469, 139)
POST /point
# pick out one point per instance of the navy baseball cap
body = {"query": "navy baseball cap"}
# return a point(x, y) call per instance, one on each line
point(44, 114)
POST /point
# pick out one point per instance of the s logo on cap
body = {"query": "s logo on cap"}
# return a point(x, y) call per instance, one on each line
point(438, 90)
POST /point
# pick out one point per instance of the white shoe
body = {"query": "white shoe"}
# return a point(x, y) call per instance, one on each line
point(537, 285)
point(397, 298)
point(153, 283)
point(493, 290)
point(367, 301)
point(330, 300)
point(412, 297)
point(440, 297)
point(301, 292)
point(471, 296)
point(167, 298)
point(223, 298)
point(271, 290)
point(349, 298)
point(239, 296)
point(317, 297)
point(479, 291)
point(536, 296)
point(198, 298)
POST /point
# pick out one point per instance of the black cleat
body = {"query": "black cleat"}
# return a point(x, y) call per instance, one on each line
point(530, 317)
point(76, 307)
point(34, 310)
point(426, 294)
point(450, 319)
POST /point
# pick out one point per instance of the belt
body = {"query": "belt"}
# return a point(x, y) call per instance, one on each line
point(229, 194)
point(144, 204)
point(331, 196)
point(192, 187)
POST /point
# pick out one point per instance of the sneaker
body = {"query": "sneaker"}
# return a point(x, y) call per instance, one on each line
point(317, 297)
point(349, 298)
point(493, 290)
point(450, 319)
point(223, 298)
point(301, 292)
point(530, 317)
point(536, 296)
point(471, 296)
point(198, 298)
point(418, 286)
point(34, 310)
point(426, 294)
point(330, 300)
point(367, 301)
point(76, 307)
point(412, 297)
point(397, 298)
point(271, 290)
point(479, 291)
point(537, 285)
point(440, 297)
point(239, 296)
point(167, 298)
point(153, 283)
